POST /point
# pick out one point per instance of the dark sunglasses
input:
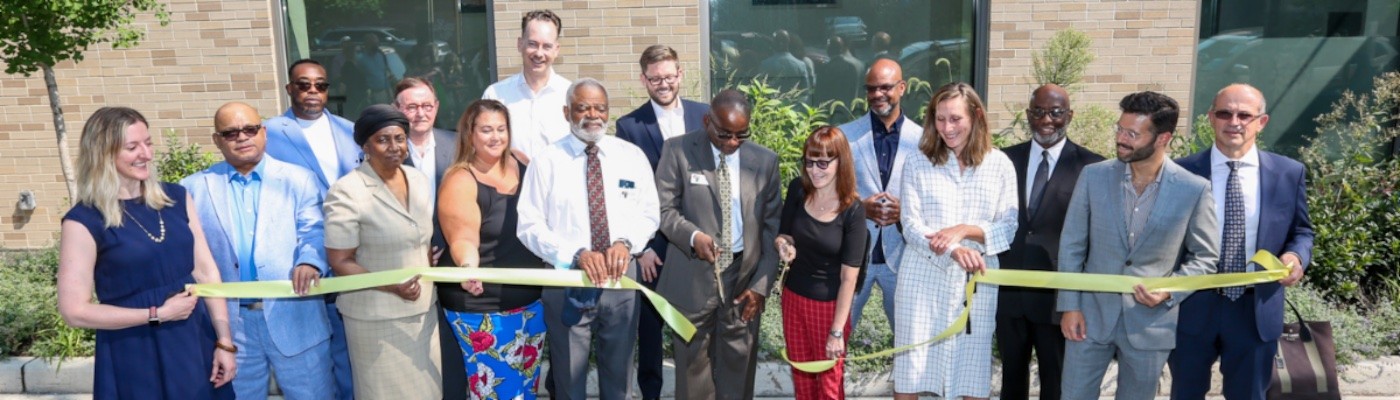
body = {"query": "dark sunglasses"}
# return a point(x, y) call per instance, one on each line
point(880, 88)
point(726, 135)
point(1245, 118)
point(306, 86)
point(1055, 113)
point(234, 133)
point(820, 164)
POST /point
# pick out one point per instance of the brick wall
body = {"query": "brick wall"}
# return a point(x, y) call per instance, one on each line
point(1140, 45)
point(210, 53)
point(602, 39)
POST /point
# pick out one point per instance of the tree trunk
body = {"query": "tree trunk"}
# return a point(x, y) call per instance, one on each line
point(64, 161)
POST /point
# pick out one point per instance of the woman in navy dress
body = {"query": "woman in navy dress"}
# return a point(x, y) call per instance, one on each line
point(136, 243)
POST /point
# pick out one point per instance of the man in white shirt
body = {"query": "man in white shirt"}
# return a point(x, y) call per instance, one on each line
point(589, 202)
point(535, 95)
point(665, 116)
point(312, 138)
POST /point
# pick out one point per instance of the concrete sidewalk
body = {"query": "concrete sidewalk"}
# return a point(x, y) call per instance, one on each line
point(30, 378)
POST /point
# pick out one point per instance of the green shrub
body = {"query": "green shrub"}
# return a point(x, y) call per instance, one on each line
point(1352, 195)
point(29, 320)
point(1361, 330)
point(1065, 58)
point(181, 159)
point(781, 124)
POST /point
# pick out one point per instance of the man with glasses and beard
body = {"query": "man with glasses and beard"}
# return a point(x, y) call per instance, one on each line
point(1149, 218)
point(879, 144)
point(309, 136)
point(720, 208)
point(1047, 166)
point(667, 115)
point(588, 202)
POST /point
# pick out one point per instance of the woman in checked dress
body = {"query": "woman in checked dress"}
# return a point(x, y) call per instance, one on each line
point(959, 212)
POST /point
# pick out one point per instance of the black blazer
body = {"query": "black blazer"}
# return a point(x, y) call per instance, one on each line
point(640, 128)
point(1037, 241)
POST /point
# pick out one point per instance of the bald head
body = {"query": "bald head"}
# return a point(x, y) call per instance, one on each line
point(1244, 90)
point(884, 87)
point(239, 135)
point(1237, 115)
point(1049, 114)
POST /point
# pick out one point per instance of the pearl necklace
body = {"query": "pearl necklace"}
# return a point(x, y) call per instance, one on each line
point(143, 227)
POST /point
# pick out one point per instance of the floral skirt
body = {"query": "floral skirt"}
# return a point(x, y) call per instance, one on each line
point(501, 350)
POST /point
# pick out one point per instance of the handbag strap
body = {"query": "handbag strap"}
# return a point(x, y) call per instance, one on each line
point(1303, 331)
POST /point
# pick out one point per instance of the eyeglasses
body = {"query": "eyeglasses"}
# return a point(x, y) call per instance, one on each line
point(306, 86)
point(1245, 118)
point(234, 133)
point(1038, 113)
point(881, 88)
point(1125, 132)
point(413, 108)
point(584, 108)
point(820, 164)
point(727, 135)
point(657, 81)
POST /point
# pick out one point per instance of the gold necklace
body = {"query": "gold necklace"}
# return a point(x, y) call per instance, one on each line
point(143, 227)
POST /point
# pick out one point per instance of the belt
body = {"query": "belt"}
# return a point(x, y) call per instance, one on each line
point(254, 306)
point(1247, 290)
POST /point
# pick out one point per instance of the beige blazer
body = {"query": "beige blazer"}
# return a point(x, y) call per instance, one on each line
point(362, 214)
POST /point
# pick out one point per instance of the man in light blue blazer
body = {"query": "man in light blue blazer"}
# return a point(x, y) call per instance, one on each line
point(1139, 215)
point(262, 219)
point(310, 137)
point(879, 144)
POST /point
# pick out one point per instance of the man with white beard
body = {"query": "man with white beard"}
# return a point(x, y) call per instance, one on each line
point(588, 202)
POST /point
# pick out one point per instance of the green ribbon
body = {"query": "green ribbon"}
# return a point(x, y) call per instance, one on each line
point(1273, 270)
point(509, 276)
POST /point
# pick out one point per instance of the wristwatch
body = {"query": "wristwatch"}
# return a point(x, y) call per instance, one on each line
point(836, 333)
point(625, 243)
point(151, 318)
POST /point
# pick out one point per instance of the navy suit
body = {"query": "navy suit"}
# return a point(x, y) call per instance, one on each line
point(1246, 351)
point(640, 128)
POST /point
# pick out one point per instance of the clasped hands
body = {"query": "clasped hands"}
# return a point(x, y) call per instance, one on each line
point(949, 241)
point(882, 208)
point(605, 267)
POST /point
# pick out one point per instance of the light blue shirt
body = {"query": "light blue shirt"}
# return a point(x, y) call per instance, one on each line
point(244, 192)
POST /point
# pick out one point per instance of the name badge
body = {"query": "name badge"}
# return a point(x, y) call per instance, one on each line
point(698, 179)
point(626, 184)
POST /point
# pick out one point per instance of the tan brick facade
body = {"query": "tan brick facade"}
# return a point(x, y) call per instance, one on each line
point(217, 51)
point(210, 53)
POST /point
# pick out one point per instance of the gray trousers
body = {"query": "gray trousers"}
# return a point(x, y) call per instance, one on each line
point(720, 360)
point(1086, 362)
point(613, 323)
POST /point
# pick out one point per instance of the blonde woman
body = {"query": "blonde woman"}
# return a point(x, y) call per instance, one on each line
point(136, 242)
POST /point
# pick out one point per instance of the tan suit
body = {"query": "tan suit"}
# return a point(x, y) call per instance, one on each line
point(393, 342)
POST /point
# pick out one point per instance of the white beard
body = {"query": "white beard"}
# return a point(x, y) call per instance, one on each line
point(584, 134)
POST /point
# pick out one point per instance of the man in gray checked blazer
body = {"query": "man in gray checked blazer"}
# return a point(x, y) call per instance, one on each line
point(1139, 215)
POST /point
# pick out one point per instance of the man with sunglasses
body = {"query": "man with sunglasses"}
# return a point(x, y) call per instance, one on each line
point(879, 144)
point(720, 205)
point(309, 136)
point(1261, 201)
point(262, 219)
point(667, 115)
point(1047, 166)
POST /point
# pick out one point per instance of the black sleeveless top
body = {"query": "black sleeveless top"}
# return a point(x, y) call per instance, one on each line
point(500, 248)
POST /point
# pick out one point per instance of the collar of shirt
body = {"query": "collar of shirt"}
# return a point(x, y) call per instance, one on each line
point(555, 83)
point(235, 176)
point(662, 113)
point(877, 127)
point(575, 146)
point(1054, 152)
point(1128, 172)
point(670, 122)
point(425, 150)
point(732, 160)
point(1218, 159)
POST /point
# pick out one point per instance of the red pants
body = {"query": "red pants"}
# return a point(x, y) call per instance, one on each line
point(806, 326)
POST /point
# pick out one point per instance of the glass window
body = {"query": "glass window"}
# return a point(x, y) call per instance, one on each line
point(794, 44)
point(368, 45)
point(1301, 53)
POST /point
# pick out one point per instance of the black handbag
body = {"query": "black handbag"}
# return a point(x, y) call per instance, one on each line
point(1305, 367)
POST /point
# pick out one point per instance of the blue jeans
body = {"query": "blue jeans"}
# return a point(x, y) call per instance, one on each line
point(306, 375)
point(880, 274)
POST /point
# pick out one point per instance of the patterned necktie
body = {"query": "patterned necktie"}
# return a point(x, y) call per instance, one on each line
point(1232, 250)
point(597, 210)
point(726, 224)
point(1042, 175)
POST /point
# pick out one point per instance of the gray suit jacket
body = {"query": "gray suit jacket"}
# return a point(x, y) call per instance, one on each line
point(1181, 238)
point(445, 150)
point(685, 180)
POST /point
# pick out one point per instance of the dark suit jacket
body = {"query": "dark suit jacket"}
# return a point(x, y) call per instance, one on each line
point(1284, 226)
point(445, 150)
point(1037, 241)
point(640, 128)
point(685, 184)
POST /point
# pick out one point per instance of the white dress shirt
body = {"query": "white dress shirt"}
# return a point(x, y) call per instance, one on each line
point(553, 210)
point(425, 160)
point(736, 213)
point(1249, 187)
point(536, 119)
point(318, 136)
point(671, 122)
point(1034, 164)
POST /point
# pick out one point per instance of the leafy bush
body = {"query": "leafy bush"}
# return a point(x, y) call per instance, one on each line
point(29, 320)
point(1065, 58)
point(1361, 330)
point(781, 125)
point(181, 159)
point(1352, 196)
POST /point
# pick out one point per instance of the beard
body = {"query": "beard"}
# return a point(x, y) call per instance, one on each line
point(1047, 141)
point(580, 129)
point(1137, 154)
point(886, 111)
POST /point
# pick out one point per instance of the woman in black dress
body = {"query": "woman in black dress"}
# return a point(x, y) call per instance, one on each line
point(823, 237)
